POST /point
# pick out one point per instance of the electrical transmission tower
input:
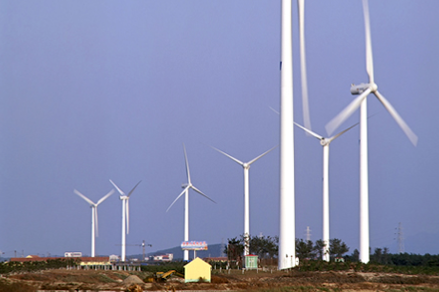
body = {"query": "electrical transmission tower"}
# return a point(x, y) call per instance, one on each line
point(400, 238)
point(308, 233)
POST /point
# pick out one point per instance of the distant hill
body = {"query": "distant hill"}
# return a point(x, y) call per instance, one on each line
point(214, 250)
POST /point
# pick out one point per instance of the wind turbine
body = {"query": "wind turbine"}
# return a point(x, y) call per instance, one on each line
point(246, 167)
point(94, 217)
point(287, 224)
point(125, 215)
point(185, 191)
point(325, 144)
point(363, 90)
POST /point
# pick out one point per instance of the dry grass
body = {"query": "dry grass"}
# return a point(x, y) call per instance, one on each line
point(7, 286)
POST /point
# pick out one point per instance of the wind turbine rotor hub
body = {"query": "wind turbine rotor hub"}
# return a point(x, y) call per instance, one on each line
point(323, 141)
point(373, 87)
point(359, 89)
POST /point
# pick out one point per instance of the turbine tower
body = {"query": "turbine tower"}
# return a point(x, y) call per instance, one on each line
point(125, 215)
point(94, 217)
point(325, 144)
point(287, 223)
point(246, 167)
point(363, 90)
point(185, 191)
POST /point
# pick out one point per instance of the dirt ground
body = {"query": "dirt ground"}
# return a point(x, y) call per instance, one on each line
point(100, 280)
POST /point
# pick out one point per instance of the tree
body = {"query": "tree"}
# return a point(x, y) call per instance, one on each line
point(305, 249)
point(354, 257)
point(337, 248)
point(264, 247)
point(318, 247)
point(234, 249)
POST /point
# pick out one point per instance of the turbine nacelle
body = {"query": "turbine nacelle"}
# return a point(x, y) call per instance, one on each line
point(359, 89)
point(324, 142)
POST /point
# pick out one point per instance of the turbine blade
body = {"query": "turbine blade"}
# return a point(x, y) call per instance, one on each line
point(347, 112)
point(117, 188)
point(410, 134)
point(96, 222)
point(341, 133)
point(369, 58)
point(178, 197)
point(84, 197)
point(274, 110)
point(303, 75)
point(188, 174)
point(263, 154)
point(105, 197)
point(201, 193)
point(129, 194)
point(309, 131)
point(228, 155)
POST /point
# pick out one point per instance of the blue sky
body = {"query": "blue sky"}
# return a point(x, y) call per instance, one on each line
point(92, 91)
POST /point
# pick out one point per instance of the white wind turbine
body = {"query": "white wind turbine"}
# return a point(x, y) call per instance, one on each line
point(246, 167)
point(325, 144)
point(287, 224)
point(363, 90)
point(94, 217)
point(187, 186)
point(125, 215)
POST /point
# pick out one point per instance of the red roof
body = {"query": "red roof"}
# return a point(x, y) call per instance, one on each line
point(40, 259)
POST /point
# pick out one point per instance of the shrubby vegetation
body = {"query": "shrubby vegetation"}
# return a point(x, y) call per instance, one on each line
point(178, 266)
point(310, 255)
point(265, 247)
point(309, 250)
point(13, 267)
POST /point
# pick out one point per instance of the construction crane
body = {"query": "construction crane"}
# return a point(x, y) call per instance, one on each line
point(143, 245)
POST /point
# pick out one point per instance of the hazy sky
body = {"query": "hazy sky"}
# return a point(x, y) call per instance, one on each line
point(99, 90)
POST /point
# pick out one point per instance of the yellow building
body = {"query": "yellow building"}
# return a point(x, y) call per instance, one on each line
point(197, 269)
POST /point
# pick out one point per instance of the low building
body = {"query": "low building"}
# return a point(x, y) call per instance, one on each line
point(83, 261)
point(33, 258)
point(251, 262)
point(114, 258)
point(163, 258)
point(215, 259)
point(95, 261)
point(197, 270)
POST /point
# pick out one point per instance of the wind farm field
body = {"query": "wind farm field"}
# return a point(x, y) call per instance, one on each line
point(235, 280)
